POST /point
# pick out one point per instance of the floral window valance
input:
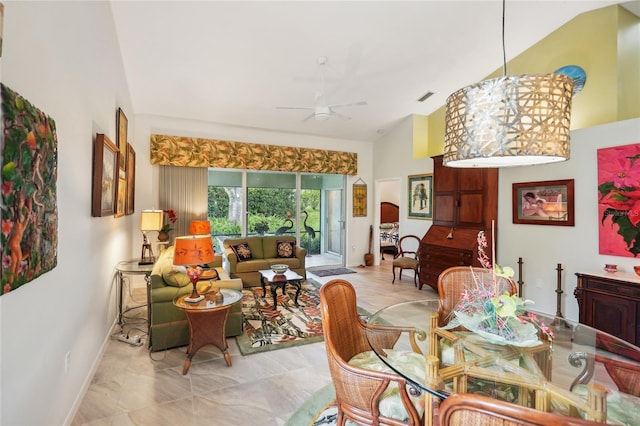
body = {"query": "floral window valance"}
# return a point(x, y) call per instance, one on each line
point(200, 152)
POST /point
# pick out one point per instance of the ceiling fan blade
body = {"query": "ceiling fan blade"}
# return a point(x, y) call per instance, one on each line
point(307, 108)
point(361, 103)
point(309, 116)
point(342, 116)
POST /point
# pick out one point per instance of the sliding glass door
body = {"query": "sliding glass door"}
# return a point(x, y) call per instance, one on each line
point(309, 206)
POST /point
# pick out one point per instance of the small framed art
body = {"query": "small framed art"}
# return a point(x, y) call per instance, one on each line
point(121, 137)
point(105, 177)
point(121, 197)
point(420, 191)
point(129, 206)
point(544, 203)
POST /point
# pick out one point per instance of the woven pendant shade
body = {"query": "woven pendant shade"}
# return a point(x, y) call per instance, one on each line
point(513, 120)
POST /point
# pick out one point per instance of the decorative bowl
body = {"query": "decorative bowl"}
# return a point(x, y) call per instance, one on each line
point(637, 269)
point(279, 269)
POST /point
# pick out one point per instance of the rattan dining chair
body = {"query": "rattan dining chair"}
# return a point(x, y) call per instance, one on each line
point(408, 257)
point(466, 409)
point(359, 391)
point(453, 281)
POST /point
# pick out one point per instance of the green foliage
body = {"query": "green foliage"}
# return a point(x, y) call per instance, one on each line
point(269, 208)
point(218, 202)
point(312, 246)
point(310, 199)
point(271, 201)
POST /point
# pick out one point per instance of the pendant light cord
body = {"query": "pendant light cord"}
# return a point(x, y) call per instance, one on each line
point(504, 51)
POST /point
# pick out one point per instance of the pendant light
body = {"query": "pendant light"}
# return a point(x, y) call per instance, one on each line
point(513, 120)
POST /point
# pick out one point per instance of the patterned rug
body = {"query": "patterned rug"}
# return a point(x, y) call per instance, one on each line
point(266, 329)
point(289, 325)
point(335, 271)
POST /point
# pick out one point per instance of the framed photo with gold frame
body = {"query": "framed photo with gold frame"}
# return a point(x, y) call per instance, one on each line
point(129, 206)
point(121, 137)
point(420, 191)
point(105, 177)
point(121, 197)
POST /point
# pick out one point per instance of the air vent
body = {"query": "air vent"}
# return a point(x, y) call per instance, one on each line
point(425, 96)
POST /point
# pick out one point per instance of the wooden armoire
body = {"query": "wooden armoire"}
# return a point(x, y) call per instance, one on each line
point(465, 201)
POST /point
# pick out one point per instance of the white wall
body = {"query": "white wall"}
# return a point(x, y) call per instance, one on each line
point(541, 247)
point(357, 243)
point(576, 248)
point(390, 191)
point(393, 159)
point(64, 58)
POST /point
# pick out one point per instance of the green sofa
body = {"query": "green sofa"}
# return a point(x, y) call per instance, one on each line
point(263, 255)
point(168, 326)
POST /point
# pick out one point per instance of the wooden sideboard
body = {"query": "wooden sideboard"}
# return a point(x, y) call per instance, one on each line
point(610, 302)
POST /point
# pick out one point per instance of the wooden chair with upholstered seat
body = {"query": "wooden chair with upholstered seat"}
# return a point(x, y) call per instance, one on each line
point(453, 281)
point(477, 410)
point(359, 391)
point(407, 257)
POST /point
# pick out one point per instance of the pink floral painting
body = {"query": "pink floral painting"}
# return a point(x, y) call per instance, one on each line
point(619, 200)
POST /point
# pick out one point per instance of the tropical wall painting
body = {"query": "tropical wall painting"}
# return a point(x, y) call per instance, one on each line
point(619, 200)
point(29, 198)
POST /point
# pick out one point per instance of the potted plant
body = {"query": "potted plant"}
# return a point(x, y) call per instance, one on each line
point(261, 227)
point(163, 234)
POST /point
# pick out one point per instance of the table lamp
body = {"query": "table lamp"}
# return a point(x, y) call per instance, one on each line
point(150, 220)
point(200, 227)
point(191, 251)
point(203, 227)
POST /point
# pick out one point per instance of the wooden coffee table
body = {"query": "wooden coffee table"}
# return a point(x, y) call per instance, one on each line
point(280, 281)
point(207, 321)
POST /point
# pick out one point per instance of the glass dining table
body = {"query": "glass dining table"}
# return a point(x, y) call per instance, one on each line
point(581, 372)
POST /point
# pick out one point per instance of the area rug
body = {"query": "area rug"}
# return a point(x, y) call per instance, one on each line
point(319, 410)
point(335, 271)
point(266, 329)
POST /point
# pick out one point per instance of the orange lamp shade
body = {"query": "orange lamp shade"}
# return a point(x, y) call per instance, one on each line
point(193, 250)
point(200, 227)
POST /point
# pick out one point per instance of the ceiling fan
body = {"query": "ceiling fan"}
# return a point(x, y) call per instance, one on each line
point(321, 110)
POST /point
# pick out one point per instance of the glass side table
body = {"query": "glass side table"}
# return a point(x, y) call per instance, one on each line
point(207, 321)
point(131, 267)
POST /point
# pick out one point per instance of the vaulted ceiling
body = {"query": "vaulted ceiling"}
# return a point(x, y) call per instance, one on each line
point(236, 62)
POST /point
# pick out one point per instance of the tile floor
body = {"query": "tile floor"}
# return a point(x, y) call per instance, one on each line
point(134, 387)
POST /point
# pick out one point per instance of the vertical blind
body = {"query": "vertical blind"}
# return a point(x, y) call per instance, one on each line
point(183, 189)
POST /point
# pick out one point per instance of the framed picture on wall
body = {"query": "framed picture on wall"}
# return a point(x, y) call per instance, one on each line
point(544, 203)
point(121, 197)
point(105, 177)
point(129, 206)
point(420, 191)
point(121, 137)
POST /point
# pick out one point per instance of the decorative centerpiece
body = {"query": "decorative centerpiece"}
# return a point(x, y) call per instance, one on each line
point(498, 318)
point(279, 269)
